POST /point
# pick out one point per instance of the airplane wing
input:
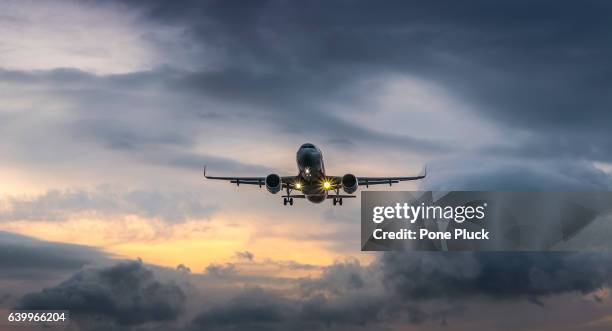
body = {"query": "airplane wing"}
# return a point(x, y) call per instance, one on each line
point(367, 181)
point(261, 181)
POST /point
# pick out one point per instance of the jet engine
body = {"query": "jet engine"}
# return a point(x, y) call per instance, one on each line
point(274, 183)
point(349, 183)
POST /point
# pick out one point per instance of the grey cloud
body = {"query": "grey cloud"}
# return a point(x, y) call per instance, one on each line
point(4, 297)
point(127, 293)
point(398, 288)
point(111, 109)
point(591, 146)
point(183, 269)
point(284, 98)
point(336, 279)
point(25, 258)
point(253, 308)
point(104, 201)
point(475, 172)
point(221, 270)
point(346, 296)
point(131, 135)
point(259, 309)
point(215, 163)
point(412, 287)
point(277, 63)
point(246, 255)
point(421, 276)
point(539, 67)
point(291, 265)
point(246, 261)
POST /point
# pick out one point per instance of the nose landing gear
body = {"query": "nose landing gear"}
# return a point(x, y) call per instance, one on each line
point(337, 201)
point(288, 200)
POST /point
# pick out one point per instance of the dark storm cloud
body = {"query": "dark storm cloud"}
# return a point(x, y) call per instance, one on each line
point(420, 276)
point(336, 279)
point(130, 113)
point(254, 309)
point(398, 288)
point(25, 258)
point(486, 173)
point(537, 66)
point(295, 105)
point(540, 68)
point(401, 287)
point(127, 293)
point(564, 145)
point(258, 309)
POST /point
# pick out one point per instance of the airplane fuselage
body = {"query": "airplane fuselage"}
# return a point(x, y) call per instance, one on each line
point(311, 171)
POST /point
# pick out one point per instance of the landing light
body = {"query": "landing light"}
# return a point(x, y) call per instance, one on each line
point(326, 185)
point(298, 185)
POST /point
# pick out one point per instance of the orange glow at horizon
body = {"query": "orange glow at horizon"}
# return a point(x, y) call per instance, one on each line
point(195, 243)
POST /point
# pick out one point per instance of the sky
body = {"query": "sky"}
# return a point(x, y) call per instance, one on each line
point(110, 109)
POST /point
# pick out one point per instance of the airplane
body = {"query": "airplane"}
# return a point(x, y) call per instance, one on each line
point(312, 181)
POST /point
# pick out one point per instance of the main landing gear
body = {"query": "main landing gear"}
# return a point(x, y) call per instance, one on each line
point(337, 200)
point(288, 199)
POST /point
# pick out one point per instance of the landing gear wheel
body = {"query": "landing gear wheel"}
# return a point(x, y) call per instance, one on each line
point(334, 201)
point(340, 201)
point(291, 201)
point(285, 201)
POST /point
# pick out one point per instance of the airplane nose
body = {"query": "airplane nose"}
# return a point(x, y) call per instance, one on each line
point(310, 159)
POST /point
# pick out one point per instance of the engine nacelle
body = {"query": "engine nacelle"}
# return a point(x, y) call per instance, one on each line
point(349, 183)
point(274, 183)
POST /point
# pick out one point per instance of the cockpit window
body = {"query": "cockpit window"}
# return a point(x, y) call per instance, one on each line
point(307, 146)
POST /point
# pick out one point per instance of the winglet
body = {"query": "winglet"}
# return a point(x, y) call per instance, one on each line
point(424, 171)
point(204, 171)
